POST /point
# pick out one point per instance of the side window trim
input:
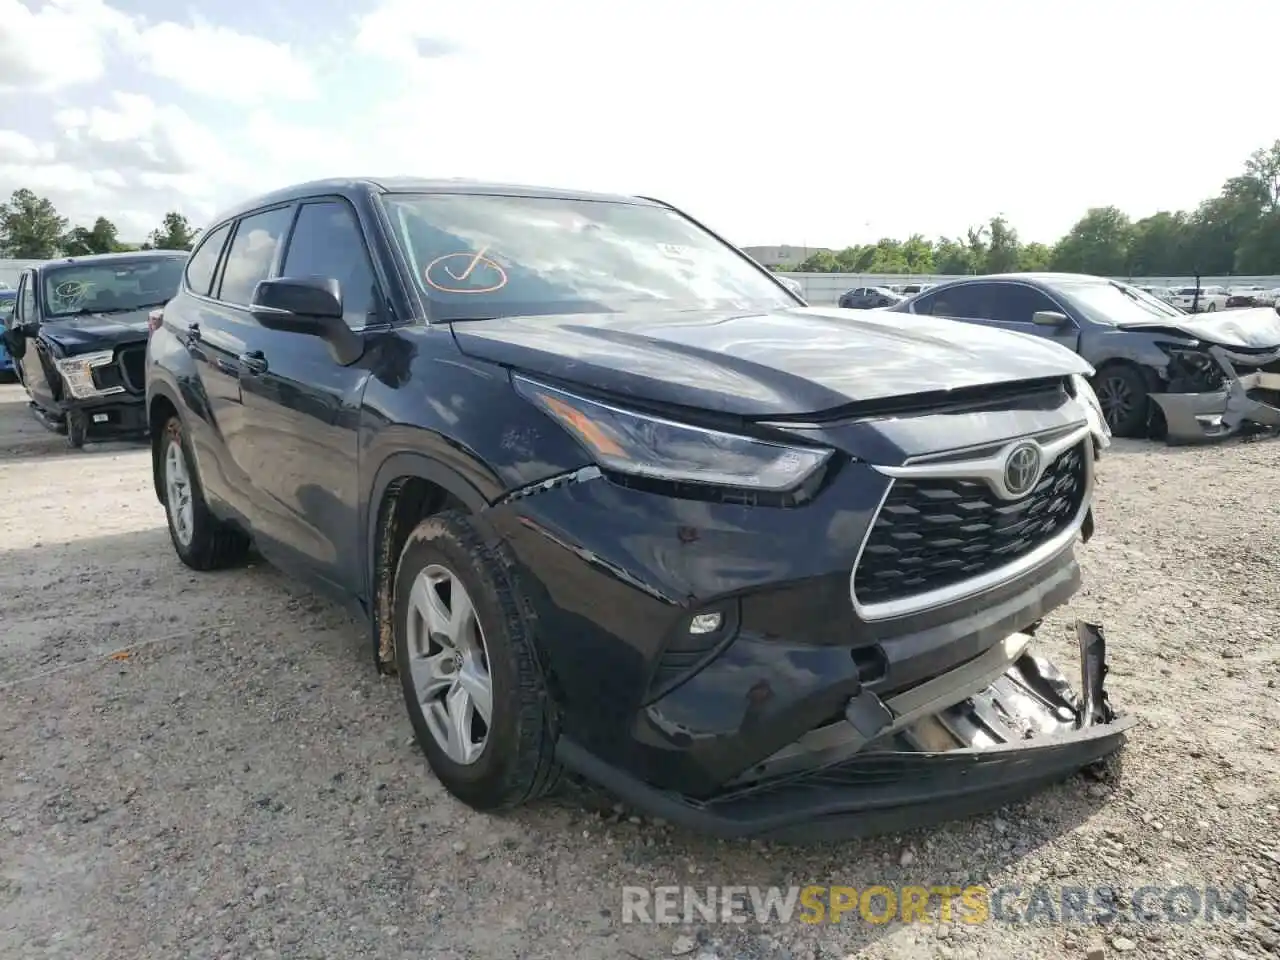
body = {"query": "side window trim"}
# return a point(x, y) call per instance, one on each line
point(276, 259)
point(379, 293)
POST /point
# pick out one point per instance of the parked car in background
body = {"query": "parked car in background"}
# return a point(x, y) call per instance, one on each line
point(1269, 298)
point(911, 289)
point(7, 300)
point(1200, 300)
point(869, 298)
point(78, 337)
point(611, 499)
point(1245, 297)
point(1148, 356)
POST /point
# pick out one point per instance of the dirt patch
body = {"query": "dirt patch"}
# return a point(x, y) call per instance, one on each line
point(238, 781)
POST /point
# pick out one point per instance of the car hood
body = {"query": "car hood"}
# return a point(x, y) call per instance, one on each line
point(96, 331)
point(788, 361)
point(1253, 327)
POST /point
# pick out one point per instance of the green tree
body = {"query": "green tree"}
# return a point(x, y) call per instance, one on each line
point(1002, 247)
point(1034, 257)
point(30, 227)
point(1098, 244)
point(100, 238)
point(1159, 245)
point(174, 233)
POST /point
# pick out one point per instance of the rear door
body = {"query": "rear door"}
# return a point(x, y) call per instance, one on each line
point(221, 334)
point(216, 394)
point(303, 407)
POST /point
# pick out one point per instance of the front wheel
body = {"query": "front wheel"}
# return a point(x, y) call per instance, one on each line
point(1123, 393)
point(1211, 308)
point(472, 681)
point(201, 540)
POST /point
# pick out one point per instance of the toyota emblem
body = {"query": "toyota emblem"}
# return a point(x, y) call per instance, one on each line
point(1022, 469)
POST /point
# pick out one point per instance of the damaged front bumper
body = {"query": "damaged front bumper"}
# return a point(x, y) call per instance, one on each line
point(991, 731)
point(1247, 400)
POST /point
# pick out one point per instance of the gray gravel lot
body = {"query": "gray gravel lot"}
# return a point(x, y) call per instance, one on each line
point(237, 782)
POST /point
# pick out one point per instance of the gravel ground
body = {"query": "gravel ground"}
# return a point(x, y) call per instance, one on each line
point(207, 766)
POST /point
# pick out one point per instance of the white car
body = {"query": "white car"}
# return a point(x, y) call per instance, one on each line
point(1208, 300)
point(1271, 297)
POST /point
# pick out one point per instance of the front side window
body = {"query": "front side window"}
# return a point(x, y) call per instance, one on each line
point(6, 309)
point(475, 257)
point(204, 261)
point(253, 251)
point(327, 242)
point(1014, 303)
point(111, 286)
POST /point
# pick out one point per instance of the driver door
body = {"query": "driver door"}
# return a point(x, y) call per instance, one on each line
point(28, 359)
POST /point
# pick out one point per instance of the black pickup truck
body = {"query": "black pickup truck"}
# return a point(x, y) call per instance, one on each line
point(78, 338)
point(613, 500)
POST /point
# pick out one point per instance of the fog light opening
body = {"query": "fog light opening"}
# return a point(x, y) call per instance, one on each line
point(706, 623)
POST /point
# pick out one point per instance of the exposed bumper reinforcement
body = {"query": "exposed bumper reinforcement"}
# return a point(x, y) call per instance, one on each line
point(1025, 730)
point(1219, 414)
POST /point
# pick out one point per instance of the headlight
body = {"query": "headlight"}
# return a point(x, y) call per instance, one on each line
point(78, 373)
point(641, 445)
point(1092, 410)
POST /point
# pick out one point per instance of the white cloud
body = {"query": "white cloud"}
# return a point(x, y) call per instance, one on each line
point(828, 125)
point(223, 64)
point(60, 44)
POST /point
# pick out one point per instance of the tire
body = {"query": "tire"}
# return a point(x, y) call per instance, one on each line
point(201, 540)
point(77, 429)
point(511, 758)
point(1124, 394)
point(1212, 308)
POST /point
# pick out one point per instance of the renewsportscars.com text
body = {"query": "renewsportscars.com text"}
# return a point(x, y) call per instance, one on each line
point(976, 904)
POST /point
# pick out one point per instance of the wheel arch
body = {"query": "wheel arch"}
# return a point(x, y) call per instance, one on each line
point(407, 487)
point(160, 407)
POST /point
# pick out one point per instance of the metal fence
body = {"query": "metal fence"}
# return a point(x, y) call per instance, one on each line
point(824, 289)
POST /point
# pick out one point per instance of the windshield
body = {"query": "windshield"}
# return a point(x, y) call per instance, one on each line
point(1118, 303)
point(111, 286)
point(476, 257)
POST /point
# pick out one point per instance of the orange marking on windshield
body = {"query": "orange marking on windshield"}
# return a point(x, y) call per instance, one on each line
point(474, 261)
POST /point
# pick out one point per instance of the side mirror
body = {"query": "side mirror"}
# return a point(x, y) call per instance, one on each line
point(313, 298)
point(311, 306)
point(1049, 318)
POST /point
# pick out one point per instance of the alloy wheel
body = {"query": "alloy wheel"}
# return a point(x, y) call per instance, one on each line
point(1117, 401)
point(177, 484)
point(449, 664)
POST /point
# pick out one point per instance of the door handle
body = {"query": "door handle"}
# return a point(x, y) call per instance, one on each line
point(254, 362)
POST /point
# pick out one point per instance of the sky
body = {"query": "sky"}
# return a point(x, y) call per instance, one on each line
point(811, 123)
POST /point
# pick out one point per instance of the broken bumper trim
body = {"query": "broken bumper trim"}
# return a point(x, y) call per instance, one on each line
point(887, 789)
point(1219, 414)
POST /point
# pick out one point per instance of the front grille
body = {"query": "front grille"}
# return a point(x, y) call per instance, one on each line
point(937, 532)
point(133, 368)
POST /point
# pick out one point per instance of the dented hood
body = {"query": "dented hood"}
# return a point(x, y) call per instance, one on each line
point(785, 361)
point(1255, 328)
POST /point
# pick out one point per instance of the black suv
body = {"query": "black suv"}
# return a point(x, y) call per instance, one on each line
point(78, 337)
point(612, 500)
